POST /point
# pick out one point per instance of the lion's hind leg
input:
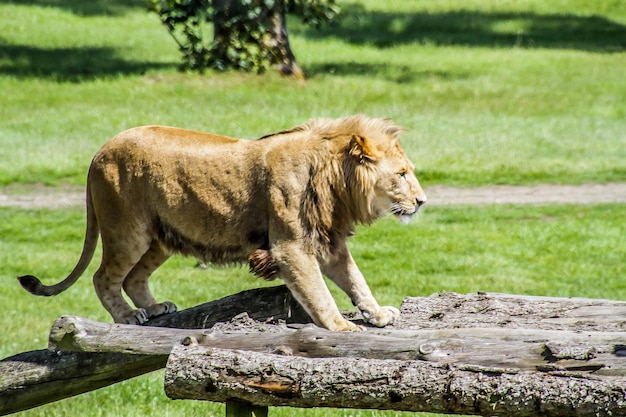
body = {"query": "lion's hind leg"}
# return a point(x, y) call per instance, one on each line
point(108, 281)
point(136, 282)
point(127, 264)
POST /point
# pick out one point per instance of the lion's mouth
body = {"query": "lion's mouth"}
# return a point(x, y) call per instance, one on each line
point(402, 214)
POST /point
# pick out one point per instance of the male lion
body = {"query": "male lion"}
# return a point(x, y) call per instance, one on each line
point(285, 203)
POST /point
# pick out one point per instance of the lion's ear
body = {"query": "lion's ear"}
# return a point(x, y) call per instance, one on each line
point(363, 148)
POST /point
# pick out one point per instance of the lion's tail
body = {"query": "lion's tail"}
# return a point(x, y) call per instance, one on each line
point(33, 284)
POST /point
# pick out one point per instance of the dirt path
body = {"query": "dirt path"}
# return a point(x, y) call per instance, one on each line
point(537, 194)
point(39, 196)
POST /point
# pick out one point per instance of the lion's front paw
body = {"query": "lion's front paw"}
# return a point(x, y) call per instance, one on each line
point(381, 318)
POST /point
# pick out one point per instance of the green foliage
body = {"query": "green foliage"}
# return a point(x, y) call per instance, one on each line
point(187, 17)
point(242, 29)
point(242, 36)
point(315, 13)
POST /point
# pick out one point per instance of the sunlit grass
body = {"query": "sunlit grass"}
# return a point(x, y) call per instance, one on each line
point(480, 108)
point(563, 250)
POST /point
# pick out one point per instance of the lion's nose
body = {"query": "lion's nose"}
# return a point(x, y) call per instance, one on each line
point(420, 202)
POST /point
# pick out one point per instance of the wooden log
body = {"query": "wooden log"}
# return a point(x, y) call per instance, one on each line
point(34, 378)
point(262, 304)
point(80, 334)
point(522, 349)
point(201, 373)
point(31, 379)
point(451, 310)
point(20, 375)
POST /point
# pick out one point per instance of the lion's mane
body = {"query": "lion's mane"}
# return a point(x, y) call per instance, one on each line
point(340, 187)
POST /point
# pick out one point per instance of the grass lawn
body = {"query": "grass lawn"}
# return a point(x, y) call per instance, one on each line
point(491, 92)
point(564, 250)
point(518, 93)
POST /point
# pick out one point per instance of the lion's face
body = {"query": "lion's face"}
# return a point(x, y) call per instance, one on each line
point(397, 190)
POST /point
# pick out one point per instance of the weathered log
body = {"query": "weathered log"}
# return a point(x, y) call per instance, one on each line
point(79, 334)
point(522, 349)
point(31, 379)
point(201, 373)
point(451, 310)
point(34, 378)
point(262, 304)
point(519, 366)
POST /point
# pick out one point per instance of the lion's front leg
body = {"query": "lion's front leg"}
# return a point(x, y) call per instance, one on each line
point(303, 277)
point(342, 270)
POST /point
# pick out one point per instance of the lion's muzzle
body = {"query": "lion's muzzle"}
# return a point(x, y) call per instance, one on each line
point(404, 214)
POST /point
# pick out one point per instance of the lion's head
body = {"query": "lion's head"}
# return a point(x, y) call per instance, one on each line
point(375, 176)
point(393, 187)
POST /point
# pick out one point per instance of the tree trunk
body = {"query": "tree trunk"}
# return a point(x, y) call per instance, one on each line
point(31, 379)
point(488, 354)
point(262, 304)
point(479, 354)
point(451, 310)
point(200, 373)
point(276, 40)
point(282, 58)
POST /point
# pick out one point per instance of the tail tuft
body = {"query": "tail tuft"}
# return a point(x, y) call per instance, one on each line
point(263, 265)
point(32, 285)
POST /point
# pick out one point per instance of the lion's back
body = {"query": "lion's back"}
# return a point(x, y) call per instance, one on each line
point(201, 194)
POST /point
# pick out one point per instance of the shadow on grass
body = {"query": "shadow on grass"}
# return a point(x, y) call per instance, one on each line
point(477, 29)
point(400, 74)
point(68, 64)
point(593, 33)
point(88, 7)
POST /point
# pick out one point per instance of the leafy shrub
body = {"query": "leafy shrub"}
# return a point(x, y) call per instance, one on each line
point(248, 35)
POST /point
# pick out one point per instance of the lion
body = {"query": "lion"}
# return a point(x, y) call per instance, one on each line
point(285, 203)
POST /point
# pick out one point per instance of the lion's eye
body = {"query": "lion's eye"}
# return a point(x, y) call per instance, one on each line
point(402, 174)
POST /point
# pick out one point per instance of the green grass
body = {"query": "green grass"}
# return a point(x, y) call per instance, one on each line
point(518, 92)
point(563, 250)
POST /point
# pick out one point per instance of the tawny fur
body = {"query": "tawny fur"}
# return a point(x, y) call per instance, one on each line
point(285, 204)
